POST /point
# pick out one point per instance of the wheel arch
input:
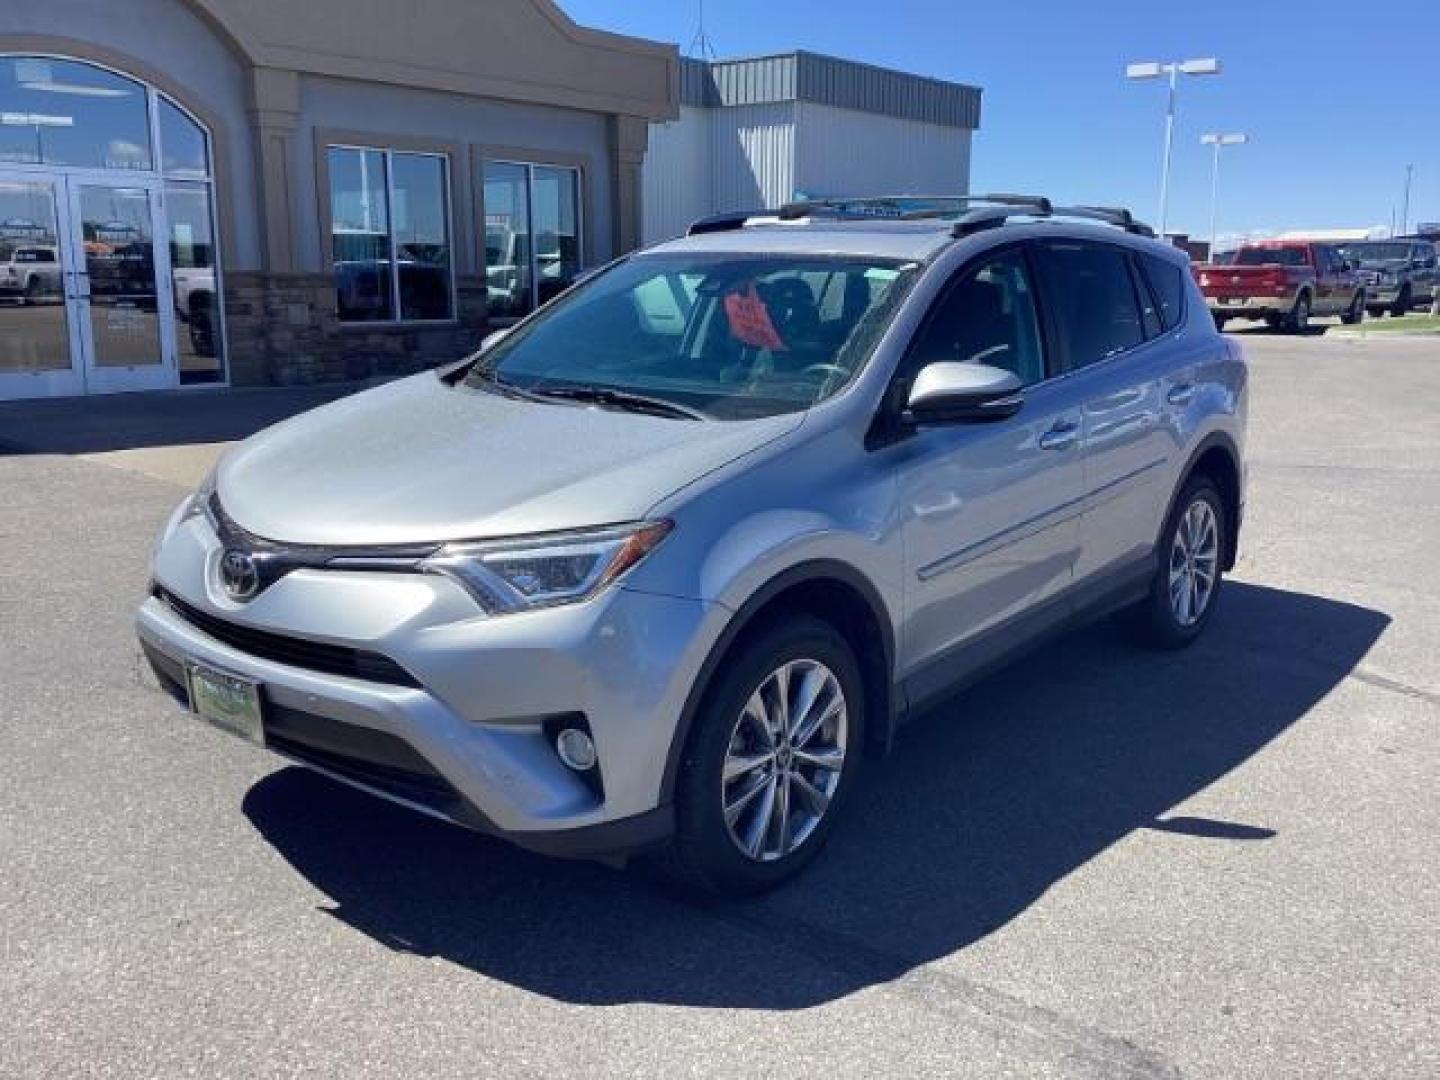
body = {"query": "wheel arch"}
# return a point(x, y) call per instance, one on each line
point(1217, 457)
point(827, 589)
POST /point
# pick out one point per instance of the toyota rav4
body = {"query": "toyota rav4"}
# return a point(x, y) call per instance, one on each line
point(653, 572)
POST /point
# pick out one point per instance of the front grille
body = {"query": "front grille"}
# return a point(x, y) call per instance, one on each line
point(296, 652)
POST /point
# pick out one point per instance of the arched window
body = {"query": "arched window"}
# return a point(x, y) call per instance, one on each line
point(63, 112)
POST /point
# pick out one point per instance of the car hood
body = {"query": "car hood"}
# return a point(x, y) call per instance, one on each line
point(420, 461)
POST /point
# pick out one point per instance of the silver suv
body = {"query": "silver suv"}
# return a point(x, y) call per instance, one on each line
point(653, 572)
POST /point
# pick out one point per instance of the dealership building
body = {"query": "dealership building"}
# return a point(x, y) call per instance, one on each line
point(202, 193)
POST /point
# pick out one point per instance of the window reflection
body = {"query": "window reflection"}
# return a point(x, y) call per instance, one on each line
point(192, 270)
point(360, 235)
point(557, 230)
point(61, 112)
point(182, 144)
point(522, 201)
point(120, 262)
point(507, 239)
point(33, 332)
point(422, 244)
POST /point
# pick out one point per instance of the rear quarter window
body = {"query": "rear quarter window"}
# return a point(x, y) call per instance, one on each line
point(1167, 283)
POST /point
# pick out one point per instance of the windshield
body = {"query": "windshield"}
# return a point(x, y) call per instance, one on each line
point(1377, 252)
point(1276, 256)
point(730, 336)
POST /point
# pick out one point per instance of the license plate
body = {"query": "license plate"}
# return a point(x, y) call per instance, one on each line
point(1233, 300)
point(226, 701)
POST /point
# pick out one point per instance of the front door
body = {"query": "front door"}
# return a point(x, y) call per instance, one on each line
point(125, 317)
point(40, 351)
point(991, 511)
point(81, 307)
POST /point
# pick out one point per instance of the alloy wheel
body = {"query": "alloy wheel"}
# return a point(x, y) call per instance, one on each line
point(1194, 562)
point(784, 760)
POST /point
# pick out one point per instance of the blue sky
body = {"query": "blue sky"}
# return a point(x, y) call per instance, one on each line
point(1335, 103)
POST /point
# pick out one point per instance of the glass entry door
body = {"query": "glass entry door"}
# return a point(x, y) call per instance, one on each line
point(82, 310)
point(40, 354)
point(125, 318)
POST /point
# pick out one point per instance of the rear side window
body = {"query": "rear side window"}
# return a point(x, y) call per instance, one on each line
point(1093, 297)
point(1167, 282)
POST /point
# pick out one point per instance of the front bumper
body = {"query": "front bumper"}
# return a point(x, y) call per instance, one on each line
point(466, 739)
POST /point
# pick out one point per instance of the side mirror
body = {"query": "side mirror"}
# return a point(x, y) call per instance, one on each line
point(952, 393)
point(494, 338)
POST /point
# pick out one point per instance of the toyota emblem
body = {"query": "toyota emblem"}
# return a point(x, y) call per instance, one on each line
point(239, 574)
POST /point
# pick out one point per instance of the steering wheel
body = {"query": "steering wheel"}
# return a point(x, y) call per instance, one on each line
point(826, 369)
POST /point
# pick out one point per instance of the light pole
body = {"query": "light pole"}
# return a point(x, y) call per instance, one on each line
point(1152, 70)
point(1405, 213)
point(1217, 140)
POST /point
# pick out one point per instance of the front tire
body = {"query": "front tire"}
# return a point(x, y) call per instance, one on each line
point(769, 762)
point(1402, 303)
point(1189, 571)
point(1356, 311)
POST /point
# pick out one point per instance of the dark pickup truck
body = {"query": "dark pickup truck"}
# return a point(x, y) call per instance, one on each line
point(1397, 274)
point(1284, 282)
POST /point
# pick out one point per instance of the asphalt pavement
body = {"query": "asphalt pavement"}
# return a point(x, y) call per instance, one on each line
point(1100, 863)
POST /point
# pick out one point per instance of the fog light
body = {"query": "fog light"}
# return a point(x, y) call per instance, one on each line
point(576, 749)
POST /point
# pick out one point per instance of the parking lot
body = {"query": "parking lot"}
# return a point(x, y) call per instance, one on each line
point(1099, 863)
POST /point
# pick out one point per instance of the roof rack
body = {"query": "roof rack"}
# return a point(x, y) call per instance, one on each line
point(988, 217)
point(973, 213)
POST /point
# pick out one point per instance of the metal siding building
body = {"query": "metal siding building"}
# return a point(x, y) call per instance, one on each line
point(758, 132)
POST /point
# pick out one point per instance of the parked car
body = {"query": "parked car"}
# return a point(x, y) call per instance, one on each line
point(30, 272)
point(1284, 282)
point(652, 572)
point(1398, 275)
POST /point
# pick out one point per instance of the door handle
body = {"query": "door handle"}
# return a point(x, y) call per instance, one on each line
point(1060, 436)
point(1181, 395)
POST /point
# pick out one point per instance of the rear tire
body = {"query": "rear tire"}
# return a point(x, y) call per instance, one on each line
point(1298, 321)
point(1188, 573)
point(1220, 321)
point(753, 806)
point(1402, 303)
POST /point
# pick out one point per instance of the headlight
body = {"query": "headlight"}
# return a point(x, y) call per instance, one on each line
point(545, 570)
point(199, 502)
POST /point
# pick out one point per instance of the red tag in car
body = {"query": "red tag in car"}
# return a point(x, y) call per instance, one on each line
point(749, 320)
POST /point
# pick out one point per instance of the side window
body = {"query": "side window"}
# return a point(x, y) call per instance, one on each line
point(1167, 282)
point(1093, 298)
point(987, 318)
point(1149, 309)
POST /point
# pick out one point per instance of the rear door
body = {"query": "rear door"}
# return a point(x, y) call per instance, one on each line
point(1114, 334)
point(990, 511)
point(1331, 292)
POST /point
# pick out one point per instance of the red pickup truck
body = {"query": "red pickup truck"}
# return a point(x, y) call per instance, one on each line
point(1284, 282)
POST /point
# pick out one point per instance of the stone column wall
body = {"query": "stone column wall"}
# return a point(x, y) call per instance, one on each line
point(282, 331)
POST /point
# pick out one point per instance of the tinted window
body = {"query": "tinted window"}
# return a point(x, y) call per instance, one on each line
point(988, 318)
point(1167, 282)
point(1277, 256)
point(1090, 289)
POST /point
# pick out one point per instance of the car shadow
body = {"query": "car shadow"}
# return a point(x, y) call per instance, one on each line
point(983, 805)
point(84, 425)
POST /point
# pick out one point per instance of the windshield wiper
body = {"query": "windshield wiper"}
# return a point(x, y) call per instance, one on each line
point(618, 399)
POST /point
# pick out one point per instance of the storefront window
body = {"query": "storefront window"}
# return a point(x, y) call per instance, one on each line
point(376, 261)
point(192, 268)
point(182, 144)
point(524, 201)
point(61, 112)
